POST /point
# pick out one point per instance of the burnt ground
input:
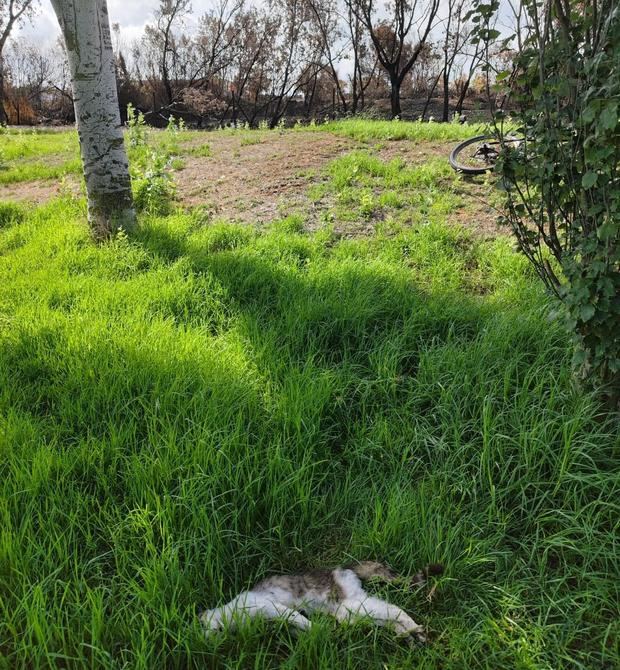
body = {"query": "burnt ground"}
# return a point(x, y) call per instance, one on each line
point(257, 177)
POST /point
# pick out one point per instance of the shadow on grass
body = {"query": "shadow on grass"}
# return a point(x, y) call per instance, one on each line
point(336, 315)
point(213, 409)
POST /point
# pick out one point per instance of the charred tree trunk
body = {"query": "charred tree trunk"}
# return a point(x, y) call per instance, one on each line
point(395, 84)
point(429, 97)
point(445, 114)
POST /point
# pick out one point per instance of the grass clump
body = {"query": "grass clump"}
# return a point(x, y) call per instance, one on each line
point(366, 130)
point(11, 213)
point(187, 410)
point(200, 151)
point(364, 186)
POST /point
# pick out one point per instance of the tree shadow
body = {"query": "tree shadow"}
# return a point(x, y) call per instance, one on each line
point(341, 315)
point(343, 345)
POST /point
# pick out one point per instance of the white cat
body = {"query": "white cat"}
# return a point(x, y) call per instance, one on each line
point(338, 592)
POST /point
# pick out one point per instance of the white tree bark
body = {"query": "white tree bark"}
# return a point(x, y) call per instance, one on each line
point(86, 30)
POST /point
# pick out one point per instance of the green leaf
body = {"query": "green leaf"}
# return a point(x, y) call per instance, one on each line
point(587, 312)
point(589, 113)
point(579, 358)
point(589, 179)
point(607, 230)
point(609, 116)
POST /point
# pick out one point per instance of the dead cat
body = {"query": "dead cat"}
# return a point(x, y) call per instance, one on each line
point(338, 592)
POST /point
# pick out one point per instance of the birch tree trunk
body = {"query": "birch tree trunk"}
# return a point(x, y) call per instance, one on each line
point(86, 30)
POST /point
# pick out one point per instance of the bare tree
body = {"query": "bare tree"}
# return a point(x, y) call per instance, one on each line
point(11, 12)
point(59, 98)
point(426, 73)
point(472, 60)
point(85, 26)
point(326, 22)
point(392, 38)
point(519, 23)
point(169, 13)
point(295, 55)
point(28, 69)
point(218, 38)
point(250, 71)
point(365, 61)
point(456, 37)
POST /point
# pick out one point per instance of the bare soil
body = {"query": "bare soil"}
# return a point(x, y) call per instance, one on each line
point(40, 191)
point(256, 178)
point(259, 179)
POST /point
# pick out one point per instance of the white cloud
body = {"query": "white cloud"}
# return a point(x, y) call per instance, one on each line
point(131, 15)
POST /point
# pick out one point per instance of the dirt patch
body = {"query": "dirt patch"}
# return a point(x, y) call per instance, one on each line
point(479, 214)
point(39, 192)
point(255, 179)
point(258, 178)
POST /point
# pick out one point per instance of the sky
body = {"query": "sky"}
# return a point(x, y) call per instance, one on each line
point(132, 15)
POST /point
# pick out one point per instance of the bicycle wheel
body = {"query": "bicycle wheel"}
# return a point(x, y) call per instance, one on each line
point(476, 155)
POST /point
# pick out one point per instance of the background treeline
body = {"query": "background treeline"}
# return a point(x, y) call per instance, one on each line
point(247, 63)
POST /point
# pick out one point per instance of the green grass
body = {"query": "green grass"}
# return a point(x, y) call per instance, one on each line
point(35, 170)
point(362, 186)
point(17, 144)
point(33, 155)
point(187, 410)
point(200, 151)
point(201, 404)
point(368, 131)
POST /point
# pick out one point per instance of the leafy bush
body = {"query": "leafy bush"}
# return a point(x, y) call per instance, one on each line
point(152, 182)
point(137, 127)
point(153, 188)
point(563, 182)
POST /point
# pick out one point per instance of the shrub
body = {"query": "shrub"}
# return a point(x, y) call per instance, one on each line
point(137, 127)
point(563, 182)
point(154, 188)
point(175, 125)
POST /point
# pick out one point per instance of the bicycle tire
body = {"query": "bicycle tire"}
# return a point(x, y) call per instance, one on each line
point(467, 169)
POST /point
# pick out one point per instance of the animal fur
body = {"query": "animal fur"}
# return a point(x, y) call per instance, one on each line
point(338, 592)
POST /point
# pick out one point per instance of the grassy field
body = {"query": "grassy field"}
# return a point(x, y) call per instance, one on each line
point(191, 408)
